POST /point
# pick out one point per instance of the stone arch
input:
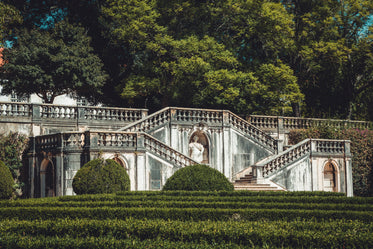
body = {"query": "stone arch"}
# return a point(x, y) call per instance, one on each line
point(121, 161)
point(47, 179)
point(330, 177)
point(204, 141)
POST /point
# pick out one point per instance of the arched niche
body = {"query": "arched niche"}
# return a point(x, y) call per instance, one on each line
point(198, 142)
point(47, 179)
point(330, 177)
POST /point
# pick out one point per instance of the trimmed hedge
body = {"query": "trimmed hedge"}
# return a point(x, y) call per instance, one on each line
point(185, 214)
point(99, 176)
point(198, 177)
point(295, 234)
point(6, 182)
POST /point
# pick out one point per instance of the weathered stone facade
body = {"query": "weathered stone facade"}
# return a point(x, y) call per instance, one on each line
point(152, 147)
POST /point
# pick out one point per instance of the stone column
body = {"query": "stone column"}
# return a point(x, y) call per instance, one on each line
point(35, 120)
point(226, 146)
point(348, 165)
point(141, 164)
point(314, 168)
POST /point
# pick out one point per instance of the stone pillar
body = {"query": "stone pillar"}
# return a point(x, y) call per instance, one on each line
point(59, 174)
point(174, 136)
point(348, 165)
point(71, 166)
point(314, 168)
point(81, 123)
point(226, 146)
point(140, 164)
point(280, 134)
point(35, 120)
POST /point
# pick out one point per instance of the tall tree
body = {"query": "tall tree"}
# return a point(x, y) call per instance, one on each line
point(328, 37)
point(9, 17)
point(53, 62)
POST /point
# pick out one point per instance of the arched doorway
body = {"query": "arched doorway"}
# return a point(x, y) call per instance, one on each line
point(199, 147)
point(330, 178)
point(47, 179)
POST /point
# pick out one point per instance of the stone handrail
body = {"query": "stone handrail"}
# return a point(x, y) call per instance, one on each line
point(260, 136)
point(102, 140)
point(60, 140)
point(147, 123)
point(188, 115)
point(197, 115)
point(166, 152)
point(288, 123)
point(106, 139)
point(15, 109)
point(66, 112)
point(307, 146)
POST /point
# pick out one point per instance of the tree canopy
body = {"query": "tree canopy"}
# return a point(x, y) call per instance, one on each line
point(299, 57)
point(51, 63)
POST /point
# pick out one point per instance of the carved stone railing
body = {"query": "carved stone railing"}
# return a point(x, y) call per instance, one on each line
point(111, 141)
point(164, 151)
point(127, 115)
point(197, 115)
point(15, 109)
point(289, 123)
point(308, 147)
point(49, 111)
point(257, 134)
point(73, 140)
point(150, 122)
point(114, 140)
point(212, 117)
point(64, 117)
point(285, 157)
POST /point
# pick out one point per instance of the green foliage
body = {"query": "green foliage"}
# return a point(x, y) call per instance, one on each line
point(99, 176)
point(198, 177)
point(6, 182)
point(361, 149)
point(51, 63)
point(9, 16)
point(12, 146)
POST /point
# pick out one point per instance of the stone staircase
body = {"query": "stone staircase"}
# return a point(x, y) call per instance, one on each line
point(248, 182)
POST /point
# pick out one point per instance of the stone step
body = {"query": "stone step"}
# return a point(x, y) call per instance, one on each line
point(255, 187)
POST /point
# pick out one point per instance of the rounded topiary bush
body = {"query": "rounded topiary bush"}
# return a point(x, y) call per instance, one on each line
point(6, 182)
point(99, 177)
point(198, 177)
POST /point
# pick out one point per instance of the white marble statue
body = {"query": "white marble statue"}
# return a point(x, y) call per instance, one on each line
point(196, 150)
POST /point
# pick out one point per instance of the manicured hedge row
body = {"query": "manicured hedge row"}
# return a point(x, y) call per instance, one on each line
point(57, 242)
point(195, 204)
point(231, 193)
point(33, 213)
point(277, 199)
point(295, 234)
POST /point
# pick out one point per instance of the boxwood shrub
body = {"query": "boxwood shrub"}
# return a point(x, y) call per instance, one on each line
point(100, 177)
point(6, 182)
point(198, 177)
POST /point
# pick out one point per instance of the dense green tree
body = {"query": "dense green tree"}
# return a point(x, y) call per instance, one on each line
point(331, 37)
point(9, 17)
point(53, 62)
